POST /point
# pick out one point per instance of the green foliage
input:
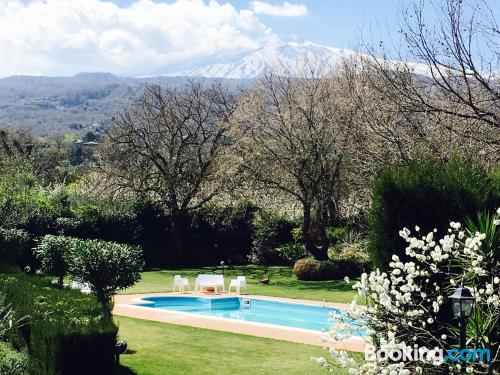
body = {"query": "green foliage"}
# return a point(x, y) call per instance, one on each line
point(481, 322)
point(291, 252)
point(106, 266)
point(310, 269)
point(297, 234)
point(269, 233)
point(483, 223)
point(63, 330)
point(334, 269)
point(424, 193)
point(12, 362)
point(335, 234)
point(52, 253)
point(13, 243)
point(7, 319)
point(224, 230)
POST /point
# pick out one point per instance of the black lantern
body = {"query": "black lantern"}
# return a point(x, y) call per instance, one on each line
point(461, 302)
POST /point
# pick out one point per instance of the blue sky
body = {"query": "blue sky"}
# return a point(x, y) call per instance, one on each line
point(137, 37)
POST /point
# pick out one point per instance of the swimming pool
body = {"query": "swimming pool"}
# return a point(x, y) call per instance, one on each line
point(256, 310)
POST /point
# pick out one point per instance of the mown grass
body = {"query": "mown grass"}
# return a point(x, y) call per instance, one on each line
point(160, 348)
point(166, 349)
point(283, 283)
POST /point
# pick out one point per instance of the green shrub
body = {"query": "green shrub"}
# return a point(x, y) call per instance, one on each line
point(297, 234)
point(12, 362)
point(428, 194)
point(64, 331)
point(13, 243)
point(311, 269)
point(291, 252)
point(106, 266)
point(335, 235)
point(336, 269)
point(269, 233)
point(53, 252)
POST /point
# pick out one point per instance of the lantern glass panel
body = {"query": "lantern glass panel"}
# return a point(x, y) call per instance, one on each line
point(467, 307)
point(457, 308)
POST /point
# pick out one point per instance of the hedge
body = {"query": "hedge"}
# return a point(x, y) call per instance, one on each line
point(64, 331)
point(270, 231)
point(428, 194)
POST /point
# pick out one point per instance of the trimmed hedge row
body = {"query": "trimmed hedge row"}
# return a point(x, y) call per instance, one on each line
point(429, 194)
point(64, 331)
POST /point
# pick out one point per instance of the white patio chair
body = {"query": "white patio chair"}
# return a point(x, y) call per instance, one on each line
point(181, 283)
point(238, 283)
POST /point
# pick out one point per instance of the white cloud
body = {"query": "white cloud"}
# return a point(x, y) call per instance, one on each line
point(284, 10)
point(64, 37)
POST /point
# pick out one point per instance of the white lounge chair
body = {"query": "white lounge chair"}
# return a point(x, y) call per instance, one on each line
point(181, 283)
point(209, 281)
point(238, 283)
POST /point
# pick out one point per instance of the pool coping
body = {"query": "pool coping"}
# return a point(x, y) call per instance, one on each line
point(125, 305)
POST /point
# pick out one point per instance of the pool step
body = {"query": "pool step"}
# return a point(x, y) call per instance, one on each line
point(246, 303)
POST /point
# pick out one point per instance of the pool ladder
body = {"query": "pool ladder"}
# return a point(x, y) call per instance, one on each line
point(246, 303)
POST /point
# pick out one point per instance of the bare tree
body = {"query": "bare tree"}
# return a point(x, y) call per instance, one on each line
point(294, 139)
point(170, 146)
point(446, 85)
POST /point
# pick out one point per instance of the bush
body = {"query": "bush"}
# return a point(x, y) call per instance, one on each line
point(53, 252)
point(270, 232)
point(13, 243)
point(106, 266)
point(428, 194)
point(12, 362)
point(64, 331)
point(292, 252)
point(309, 269)
point(335, 235)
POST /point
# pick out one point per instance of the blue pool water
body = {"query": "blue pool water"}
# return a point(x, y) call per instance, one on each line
point(261, 311)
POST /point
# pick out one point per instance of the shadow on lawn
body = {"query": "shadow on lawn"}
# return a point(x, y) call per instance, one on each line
point(123, 370)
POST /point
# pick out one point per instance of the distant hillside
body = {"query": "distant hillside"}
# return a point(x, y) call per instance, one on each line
point(56, 106)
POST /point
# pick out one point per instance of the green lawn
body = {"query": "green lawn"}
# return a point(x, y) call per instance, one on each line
point(283, 283)
point(160, 348)
point(166, 349)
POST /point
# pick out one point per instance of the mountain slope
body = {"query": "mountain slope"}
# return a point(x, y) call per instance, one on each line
point(290, 56)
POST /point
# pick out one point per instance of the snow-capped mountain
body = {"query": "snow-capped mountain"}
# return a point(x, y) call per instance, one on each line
point(287, 55)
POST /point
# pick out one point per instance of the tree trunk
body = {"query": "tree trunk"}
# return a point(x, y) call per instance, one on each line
point(318, 252)
point(332, 213)
point(177, 227)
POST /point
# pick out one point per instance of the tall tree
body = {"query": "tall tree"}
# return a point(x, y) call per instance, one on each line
point(170, 146)
point(446, 81)
point(294, 136)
